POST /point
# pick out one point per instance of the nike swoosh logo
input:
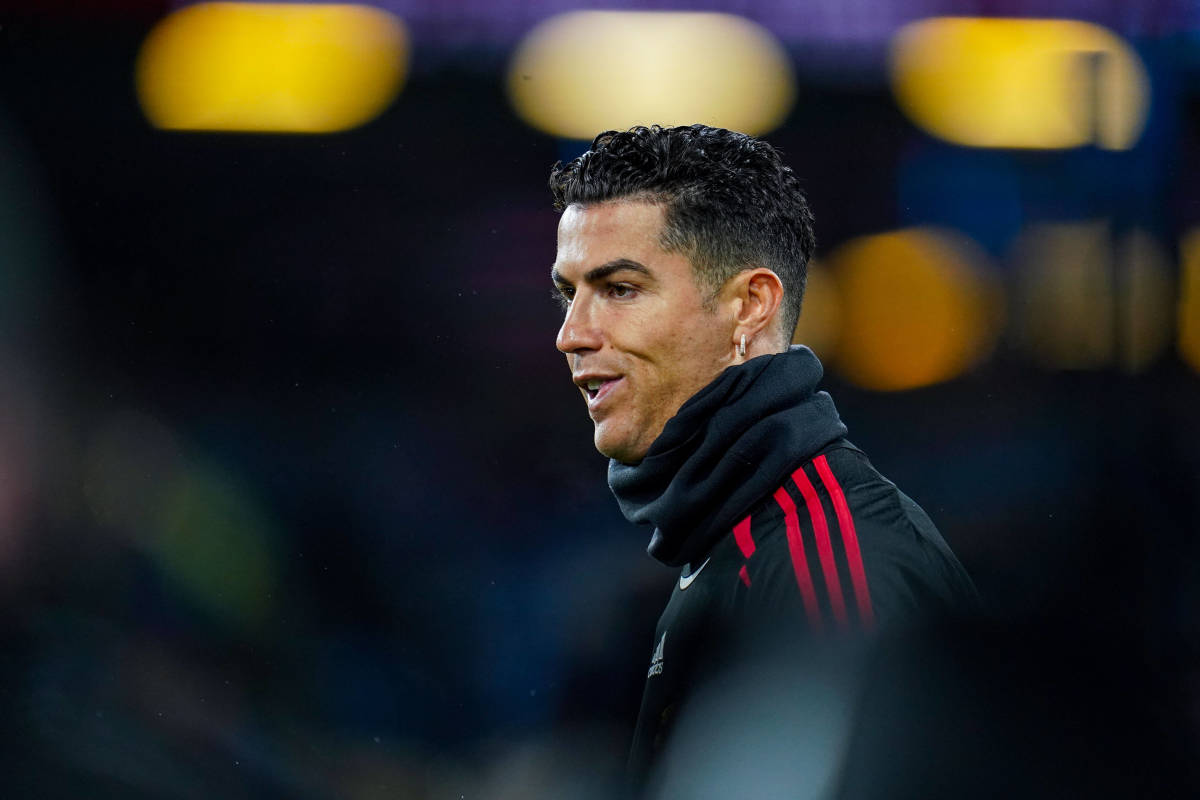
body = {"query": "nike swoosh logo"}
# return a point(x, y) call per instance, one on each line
point(685, 582)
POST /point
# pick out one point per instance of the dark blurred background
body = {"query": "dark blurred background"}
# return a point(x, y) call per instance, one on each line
point(297, 500)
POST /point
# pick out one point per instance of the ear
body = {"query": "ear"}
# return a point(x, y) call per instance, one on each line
point(756, 297)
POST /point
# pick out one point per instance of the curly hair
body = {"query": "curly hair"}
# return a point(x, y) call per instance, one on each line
point(730, 203)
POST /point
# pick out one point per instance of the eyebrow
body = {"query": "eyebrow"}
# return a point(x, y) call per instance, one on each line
point(603, 271)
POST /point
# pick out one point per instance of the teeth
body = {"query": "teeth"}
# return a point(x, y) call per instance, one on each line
point(594, 384)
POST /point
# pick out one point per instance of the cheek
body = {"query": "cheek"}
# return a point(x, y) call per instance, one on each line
point(696, 358)
point(665, 339)
point(662, 388)
point(687, 347)
point(670, 353)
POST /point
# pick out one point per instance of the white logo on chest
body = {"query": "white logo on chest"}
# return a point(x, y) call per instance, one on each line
point(656, 661)
point(685, 582)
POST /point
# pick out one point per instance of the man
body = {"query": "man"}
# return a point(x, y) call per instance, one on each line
point(681, 263)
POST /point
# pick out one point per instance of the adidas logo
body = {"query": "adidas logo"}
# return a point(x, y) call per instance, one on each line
point(656, 661)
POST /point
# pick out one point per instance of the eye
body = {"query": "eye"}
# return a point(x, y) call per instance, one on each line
point(563, 295)
point(621, 291)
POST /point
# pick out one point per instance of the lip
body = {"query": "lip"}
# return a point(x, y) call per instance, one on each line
point(606, 388)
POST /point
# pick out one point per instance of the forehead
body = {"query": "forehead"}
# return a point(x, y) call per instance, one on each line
point(603, 232)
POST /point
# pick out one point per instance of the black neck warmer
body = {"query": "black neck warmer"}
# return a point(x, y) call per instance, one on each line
point(728, 446)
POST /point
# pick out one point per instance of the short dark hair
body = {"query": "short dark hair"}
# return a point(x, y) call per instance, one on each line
point(730, 203)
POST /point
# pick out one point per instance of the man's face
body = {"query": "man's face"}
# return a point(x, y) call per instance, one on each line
point(638, 339)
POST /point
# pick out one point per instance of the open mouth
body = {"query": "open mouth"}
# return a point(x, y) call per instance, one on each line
point(597, 388)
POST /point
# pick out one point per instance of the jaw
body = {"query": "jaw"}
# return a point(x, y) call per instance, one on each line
point(626, 438)
point(615, 443)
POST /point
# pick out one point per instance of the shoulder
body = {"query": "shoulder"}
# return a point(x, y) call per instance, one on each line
point(840, 545)
point(902, 549)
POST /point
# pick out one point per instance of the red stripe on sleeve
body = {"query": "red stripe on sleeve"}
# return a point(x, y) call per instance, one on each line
point(744, 575)
point(799, 562)
point(824, 547)
point(741, 533)
point(858, 575)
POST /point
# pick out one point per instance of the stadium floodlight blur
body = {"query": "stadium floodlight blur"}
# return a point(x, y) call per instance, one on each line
point(1189, 300)
point(583, 72)
point(820, 323)
point(271, 67)
point(1020, 83)
point(1090, 300)
point(918, 308)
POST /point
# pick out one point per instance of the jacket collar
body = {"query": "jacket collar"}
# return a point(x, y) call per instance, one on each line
point(728, 446)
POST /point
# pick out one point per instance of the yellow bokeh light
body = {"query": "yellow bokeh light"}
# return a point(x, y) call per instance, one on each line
point(917, 309)
point(584, 72)
point(1144, 301)
point(1023, 83)
point(1189, 300)
point(1089, 299)
point(820, 318)
point(271, 67)
point(1067, 296)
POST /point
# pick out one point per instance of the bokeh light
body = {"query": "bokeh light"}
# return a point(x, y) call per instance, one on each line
point(278, 67)
point(821, 316)
point(1024, 83)
point(209, 537)
point(215, 544)
point(1066, 295)
point(919, 308)
point(1089, 300)
point(1144, 302)
point(584, 72)
point(1189, 300)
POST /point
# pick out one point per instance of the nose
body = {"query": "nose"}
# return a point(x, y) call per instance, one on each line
point(578, 331)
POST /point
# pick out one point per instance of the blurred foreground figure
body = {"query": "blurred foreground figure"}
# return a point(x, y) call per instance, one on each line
point(681, 263)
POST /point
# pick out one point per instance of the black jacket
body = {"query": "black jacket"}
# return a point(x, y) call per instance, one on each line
point(785, 532)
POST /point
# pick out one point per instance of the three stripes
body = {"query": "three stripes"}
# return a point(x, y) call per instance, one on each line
point(824, 546)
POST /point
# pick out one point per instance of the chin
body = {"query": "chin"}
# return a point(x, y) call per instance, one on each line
point(618, 449)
